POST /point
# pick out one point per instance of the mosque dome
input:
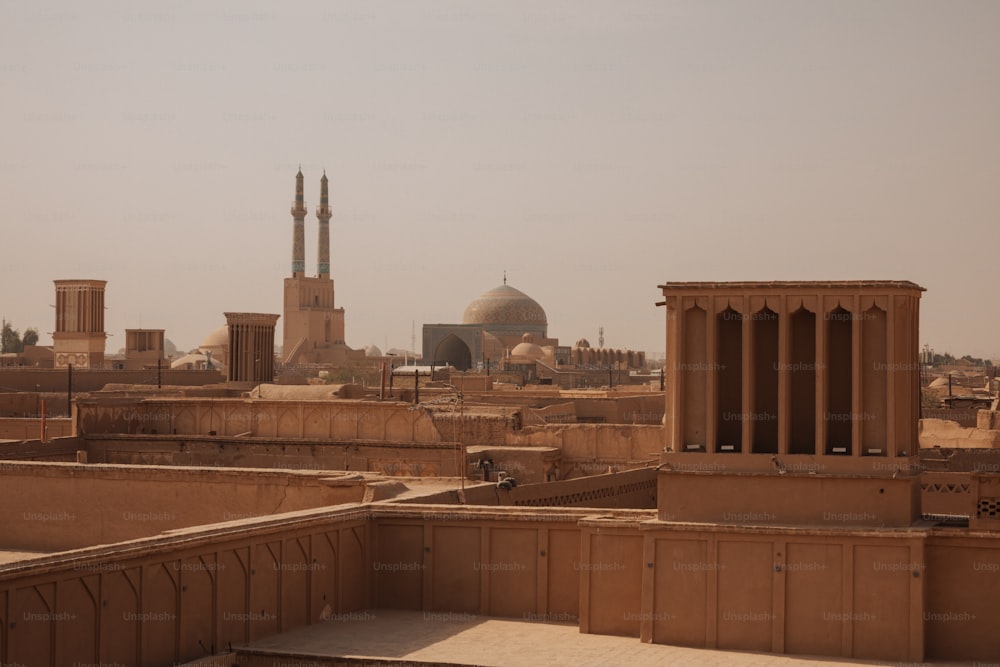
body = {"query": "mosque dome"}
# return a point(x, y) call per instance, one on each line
point(504, 305)
point(373, 351)
point(582, 344)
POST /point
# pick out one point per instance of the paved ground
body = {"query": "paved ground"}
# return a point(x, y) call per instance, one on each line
point(476, 640)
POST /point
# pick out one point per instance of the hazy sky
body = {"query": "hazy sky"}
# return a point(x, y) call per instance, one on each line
point(592, 149)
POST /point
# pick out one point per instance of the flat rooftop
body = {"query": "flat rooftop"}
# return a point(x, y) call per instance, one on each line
point(794, 284)
point(12, 556)
point(395, 637)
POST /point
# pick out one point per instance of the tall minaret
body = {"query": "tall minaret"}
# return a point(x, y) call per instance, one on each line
point(299, 229)
point(323, 213)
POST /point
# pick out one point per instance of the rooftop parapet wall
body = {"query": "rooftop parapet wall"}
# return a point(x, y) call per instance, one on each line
point(33, 449)
point(615, 444)
point(56, 380)
point(896, 595)
point(951, 435)
point(391, 459)
point(12, 428)
point(339, 420)
point(57, 506)
point(632, 489)
point(195, 588)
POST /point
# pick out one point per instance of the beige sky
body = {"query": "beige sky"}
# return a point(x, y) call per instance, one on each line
point(591, 149)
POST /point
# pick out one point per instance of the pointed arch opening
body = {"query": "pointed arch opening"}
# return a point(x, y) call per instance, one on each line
point(453, 351)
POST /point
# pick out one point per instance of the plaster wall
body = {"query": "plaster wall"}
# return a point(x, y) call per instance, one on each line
point(588, 449)
point(896, 595)
point(390, 459)
point(57, 449)
point(172, 599)
point(952, 435)
point(942, 459)
point(833, 593)
point(963, 585)
point(946, 494)
point(459, 562)
point(47, 379)
point(58, 506)
point(634, 489)
point(988, 419)
point(29, 404)
point(817, 500)
point(339, 420)
point(964, 417)
point(26, 428)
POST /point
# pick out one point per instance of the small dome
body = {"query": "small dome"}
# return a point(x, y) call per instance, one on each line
point(372, 351)
point(504, 305)
point(196, 360)
point(582, 344)
point(217, 339)
point(527, 348)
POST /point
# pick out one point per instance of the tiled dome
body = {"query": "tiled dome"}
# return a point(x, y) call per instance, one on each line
point(504, 305)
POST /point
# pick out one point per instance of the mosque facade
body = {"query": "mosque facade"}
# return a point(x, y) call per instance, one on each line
point(504, 327)
point(313, 325)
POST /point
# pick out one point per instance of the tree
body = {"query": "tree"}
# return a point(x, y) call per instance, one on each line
point(30, 337)
point(10, 339)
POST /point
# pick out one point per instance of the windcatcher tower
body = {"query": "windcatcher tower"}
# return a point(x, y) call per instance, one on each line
point(251, 347)
point(79, 336)
point(793, 401)
point(313, 325)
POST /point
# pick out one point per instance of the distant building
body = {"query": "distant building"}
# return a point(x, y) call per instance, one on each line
point(144, 348)
point(313, 325)
point(504, 327)
point(493, 324)
point(79, 337)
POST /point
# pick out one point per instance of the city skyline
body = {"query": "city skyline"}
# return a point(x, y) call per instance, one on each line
point(592, 151)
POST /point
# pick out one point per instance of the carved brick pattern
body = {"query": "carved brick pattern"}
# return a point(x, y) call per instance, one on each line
point(944, 488)
point(989, 508)
point(583, 497)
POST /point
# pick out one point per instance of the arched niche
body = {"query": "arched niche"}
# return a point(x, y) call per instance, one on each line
point(802, 381)
point(453, 351)
point(728, 369)
point(693, 370)
point(764, 410)
point(839, 381)
point(875, 371)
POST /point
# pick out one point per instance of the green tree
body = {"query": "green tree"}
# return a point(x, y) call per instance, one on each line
point(30, 337)
point(10, 339)
point(975, 361)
